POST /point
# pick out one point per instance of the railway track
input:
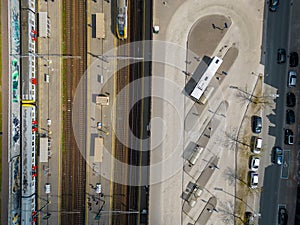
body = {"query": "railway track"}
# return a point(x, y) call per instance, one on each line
point(129, 200)
point(120, 191)
point(73, 170)
point(125, 198)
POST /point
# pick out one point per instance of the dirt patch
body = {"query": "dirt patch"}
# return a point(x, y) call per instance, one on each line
point(207, 33)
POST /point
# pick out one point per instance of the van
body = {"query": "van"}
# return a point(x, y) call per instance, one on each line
point(256, 144)
point(47, 78)
point(47, 188)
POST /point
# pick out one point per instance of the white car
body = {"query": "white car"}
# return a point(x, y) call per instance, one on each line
point(254, 163)
point(47, 188)
point(256, 144)
point(48, 122)
point(292, 78)
point(98, 188)
point(253, 179)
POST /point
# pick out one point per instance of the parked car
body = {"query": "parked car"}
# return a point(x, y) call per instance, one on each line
point(292, 78)
point(47, 78)
point(294, 59)
point(282, 216)
point(277, 155)
point(48, 122)
point(256, 124)
point(273, 5)
point(47, 188)
point(98, 189)
point(256, 144)
point(288, 137)
point(254, 163)
point(253, 182)
point(290, 116)
point(290, 99)
point(249, 218)
point(281, 56)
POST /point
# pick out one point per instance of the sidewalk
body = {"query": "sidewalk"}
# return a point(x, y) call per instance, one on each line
point(50, 106)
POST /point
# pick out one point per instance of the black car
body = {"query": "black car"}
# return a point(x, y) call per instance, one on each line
point(249, 218)
point(290, 116)
point(273, 5)
point(277, 155)
point(294, 59)
point(281, 56)
point(256, 124)
point(290, 99)
point(288, 137)
point(282, 216)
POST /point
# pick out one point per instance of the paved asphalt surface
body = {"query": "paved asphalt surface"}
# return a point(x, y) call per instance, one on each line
point(276, 190)
point(4, 93)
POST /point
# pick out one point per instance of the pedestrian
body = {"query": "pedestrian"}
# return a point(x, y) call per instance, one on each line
point(197, 58)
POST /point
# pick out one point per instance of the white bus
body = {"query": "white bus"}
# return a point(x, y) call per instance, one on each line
point(206, 78)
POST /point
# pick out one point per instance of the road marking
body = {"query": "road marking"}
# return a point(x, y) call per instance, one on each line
point(285, 165)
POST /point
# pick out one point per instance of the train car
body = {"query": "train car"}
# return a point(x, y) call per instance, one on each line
point(121, 24)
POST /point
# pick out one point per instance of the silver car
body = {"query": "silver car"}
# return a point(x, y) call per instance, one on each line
point(292, 78)
point(253, 182)
point(254, 163)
